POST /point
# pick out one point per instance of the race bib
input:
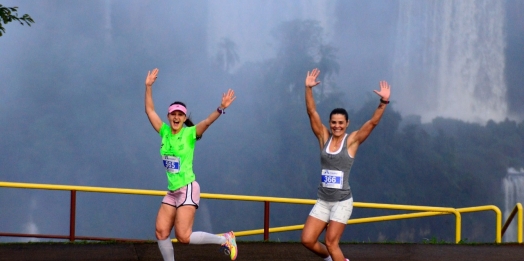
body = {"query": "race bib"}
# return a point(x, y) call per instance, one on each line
point(332, 178)
point(171, 163)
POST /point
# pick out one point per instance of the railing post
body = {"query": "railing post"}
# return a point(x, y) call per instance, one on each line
point(266, 220)
point(519, 222)
point(458, 225)
point(72, 216)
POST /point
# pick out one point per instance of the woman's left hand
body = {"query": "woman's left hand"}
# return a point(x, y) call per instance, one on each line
point(151, 77)
point(384, 91)
point(227, 98)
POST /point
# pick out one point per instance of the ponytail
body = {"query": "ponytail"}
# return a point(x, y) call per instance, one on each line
point(188, 122)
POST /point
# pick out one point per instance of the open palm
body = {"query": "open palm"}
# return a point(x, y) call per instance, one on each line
point(227, 98)
point(311, 78)
point(384, 90)
point(151, 77)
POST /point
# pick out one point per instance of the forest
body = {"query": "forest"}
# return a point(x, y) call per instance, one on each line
point(76, 117)
point(445, 162)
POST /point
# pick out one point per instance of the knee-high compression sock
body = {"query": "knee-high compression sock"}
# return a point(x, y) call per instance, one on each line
point(205, 238)
point(166, 248)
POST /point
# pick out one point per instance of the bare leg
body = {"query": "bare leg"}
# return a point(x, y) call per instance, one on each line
point(312, 230)
point(333, 235)
point(164, 224)
point(184, 223)
point(164, 221)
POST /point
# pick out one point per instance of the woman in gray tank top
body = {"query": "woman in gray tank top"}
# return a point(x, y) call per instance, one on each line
point(338, 149)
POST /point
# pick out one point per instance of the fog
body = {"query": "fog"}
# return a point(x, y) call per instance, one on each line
point(72, 97)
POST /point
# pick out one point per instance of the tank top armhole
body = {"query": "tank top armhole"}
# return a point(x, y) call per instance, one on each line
point(345, 138)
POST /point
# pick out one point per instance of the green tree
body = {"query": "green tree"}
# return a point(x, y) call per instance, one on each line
point(227, 56)
point(10, 14)
point(300, 47)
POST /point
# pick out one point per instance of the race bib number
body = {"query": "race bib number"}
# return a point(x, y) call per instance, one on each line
point(171, 163)
point(332, 178)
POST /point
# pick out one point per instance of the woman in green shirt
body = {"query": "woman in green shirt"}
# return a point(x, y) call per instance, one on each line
point(179, 205)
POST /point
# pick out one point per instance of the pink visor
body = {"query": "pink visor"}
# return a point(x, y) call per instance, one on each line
point(177, 107)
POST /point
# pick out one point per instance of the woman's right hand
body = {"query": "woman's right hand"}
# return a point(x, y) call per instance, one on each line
point(311, 79)
point(227, 98)
point(151, 77)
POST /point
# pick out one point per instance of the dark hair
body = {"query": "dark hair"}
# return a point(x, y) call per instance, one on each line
point(339, 111)
point(188, 121)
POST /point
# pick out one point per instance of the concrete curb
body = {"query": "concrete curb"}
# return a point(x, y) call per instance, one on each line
point(257, 251)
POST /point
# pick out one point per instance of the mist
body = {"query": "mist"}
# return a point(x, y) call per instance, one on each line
point(72, 97)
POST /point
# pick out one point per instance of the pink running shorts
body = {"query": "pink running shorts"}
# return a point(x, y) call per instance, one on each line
point(188, 195)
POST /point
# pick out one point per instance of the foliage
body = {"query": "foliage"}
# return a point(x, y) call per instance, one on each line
point(10, 14)
point(227, 56)
point(445, 162)
point(300, 48)
point(434, 241)
point(442, 163)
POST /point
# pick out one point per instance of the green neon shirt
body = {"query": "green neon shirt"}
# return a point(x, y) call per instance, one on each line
point(181, 146)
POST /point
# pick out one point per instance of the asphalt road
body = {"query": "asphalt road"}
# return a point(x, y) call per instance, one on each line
point(258, 251)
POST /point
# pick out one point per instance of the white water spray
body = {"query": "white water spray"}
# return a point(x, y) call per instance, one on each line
point(108, 24)
point(513, 187)
point(204, 218)
point(449, 59)
point(30, 227)
point(249, 23)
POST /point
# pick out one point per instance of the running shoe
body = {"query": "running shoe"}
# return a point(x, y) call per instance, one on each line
point(230, 247)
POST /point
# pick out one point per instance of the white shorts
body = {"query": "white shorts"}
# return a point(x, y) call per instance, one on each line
point(338, 211)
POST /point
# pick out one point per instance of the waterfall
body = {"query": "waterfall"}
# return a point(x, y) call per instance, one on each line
point(449, 59)
point(108, 24)
point(513, 187)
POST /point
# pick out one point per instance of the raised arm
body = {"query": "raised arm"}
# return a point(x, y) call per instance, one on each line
point(320, 131)
point(153, 117)
point(364, 131)
point(227, 99)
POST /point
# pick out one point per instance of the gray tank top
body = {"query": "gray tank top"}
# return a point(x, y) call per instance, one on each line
point(336, 166)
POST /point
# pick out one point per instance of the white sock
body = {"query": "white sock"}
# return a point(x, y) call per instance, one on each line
point(166, 248)
point(328, 258)
point(199, 238)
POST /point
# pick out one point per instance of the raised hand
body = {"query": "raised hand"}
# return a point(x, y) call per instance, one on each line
point(384, 91)
point(227, 98)
point(311, 79)
point(151, 77)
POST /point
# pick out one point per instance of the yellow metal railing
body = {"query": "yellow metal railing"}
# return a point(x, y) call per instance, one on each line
point(426, 211)
point(498, 216)
point(82, 188)
point(352, 221)
point(433, 211)
point(517, 210)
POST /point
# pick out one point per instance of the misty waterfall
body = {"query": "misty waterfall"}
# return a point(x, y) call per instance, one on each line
point(449, 58)
point(513, 187)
